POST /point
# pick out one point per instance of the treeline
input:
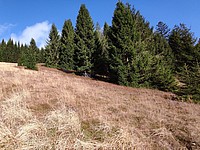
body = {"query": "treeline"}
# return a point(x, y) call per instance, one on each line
point(24, 55)
point(129, 52)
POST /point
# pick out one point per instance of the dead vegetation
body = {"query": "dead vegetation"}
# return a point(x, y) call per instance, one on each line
point(48, 109)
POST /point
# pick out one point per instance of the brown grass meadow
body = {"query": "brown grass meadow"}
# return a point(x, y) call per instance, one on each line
point(49, 109)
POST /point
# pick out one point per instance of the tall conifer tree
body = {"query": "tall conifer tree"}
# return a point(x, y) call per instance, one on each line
point(121, 46)
point(32, 55)
point(2, 50)
point(52, 48)
point(101, 55)
point(186, 61)
point(182, 42)
point(84, 40)
point(28, 55)
point(67, 46)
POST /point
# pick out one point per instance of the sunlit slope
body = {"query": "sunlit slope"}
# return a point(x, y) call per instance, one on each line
point(49, 109)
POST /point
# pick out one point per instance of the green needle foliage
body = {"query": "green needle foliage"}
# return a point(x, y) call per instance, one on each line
point(101, 54)
point(32, 55)
point(66, 53)
point(52, 48)
point(84, 40)
point(128, 52)
point(28, 56)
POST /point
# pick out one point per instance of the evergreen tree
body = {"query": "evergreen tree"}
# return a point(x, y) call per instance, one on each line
point(106, 29)
point(28, 55)
point(84, 40)
point(2, 50)
point(162, 50)
point(8, 52)
point(163, 76)
point(190, 77)
point(121, 45)
point(22, 55)
point(101, 55)
point(142, 32)
point(186, 60)
point(41, 57)
point(32, 55)
point(135, 57)
point(162, 29)
point(181, 41)
point(52, 48)
point(67, 46)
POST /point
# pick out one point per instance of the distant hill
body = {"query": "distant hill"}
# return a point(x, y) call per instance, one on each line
point(50, 109)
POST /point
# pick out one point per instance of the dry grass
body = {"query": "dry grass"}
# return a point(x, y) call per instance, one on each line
point(48, 109)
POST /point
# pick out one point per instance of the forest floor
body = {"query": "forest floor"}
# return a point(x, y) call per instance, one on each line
point(50, 109)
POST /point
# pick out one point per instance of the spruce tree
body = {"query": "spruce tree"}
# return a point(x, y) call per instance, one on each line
point(22, 55)
point(181, 40)
point(101, 55)
point(32, 55)
point(84, 40)
point(186, 61)
point(2, 50)
point(67, 46)
point(28, 56)
point(162, 49)
point(8, 52)
point(52, 48)
point(135, 58)
point(162, 29)
point(163, 76)
point(121, 45)
point(190, 77)
point(106, 29)
point(41, 58)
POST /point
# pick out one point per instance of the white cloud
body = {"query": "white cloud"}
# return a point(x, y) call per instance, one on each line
point(5, 27)
point(39, 32)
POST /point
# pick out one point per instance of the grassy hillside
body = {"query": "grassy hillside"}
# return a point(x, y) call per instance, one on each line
point(49, 109)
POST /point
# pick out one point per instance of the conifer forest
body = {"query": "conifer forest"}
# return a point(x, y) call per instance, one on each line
point(128, 52)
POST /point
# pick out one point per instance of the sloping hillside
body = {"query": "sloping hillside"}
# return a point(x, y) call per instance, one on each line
point(49, 109)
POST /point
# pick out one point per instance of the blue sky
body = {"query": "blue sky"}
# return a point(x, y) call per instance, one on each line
point(25, 19)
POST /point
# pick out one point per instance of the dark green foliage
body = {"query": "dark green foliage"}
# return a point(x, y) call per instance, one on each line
point(32, 55)
point(106, 29)
point(84, 41)
point(28, 56)
point(118, 71)
point(190, 77)
point(66, 53)
point(186, 61)
point(9, 51)
point(41, 56)
point(121, 45)
point(162, 29)
point(23, 55)
point(138, 57)
point(163, 77)
point(100, 55)
point(162, 49)
point(2, 50)
point(181, 41)
point(128, 52)
point(52, 48)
